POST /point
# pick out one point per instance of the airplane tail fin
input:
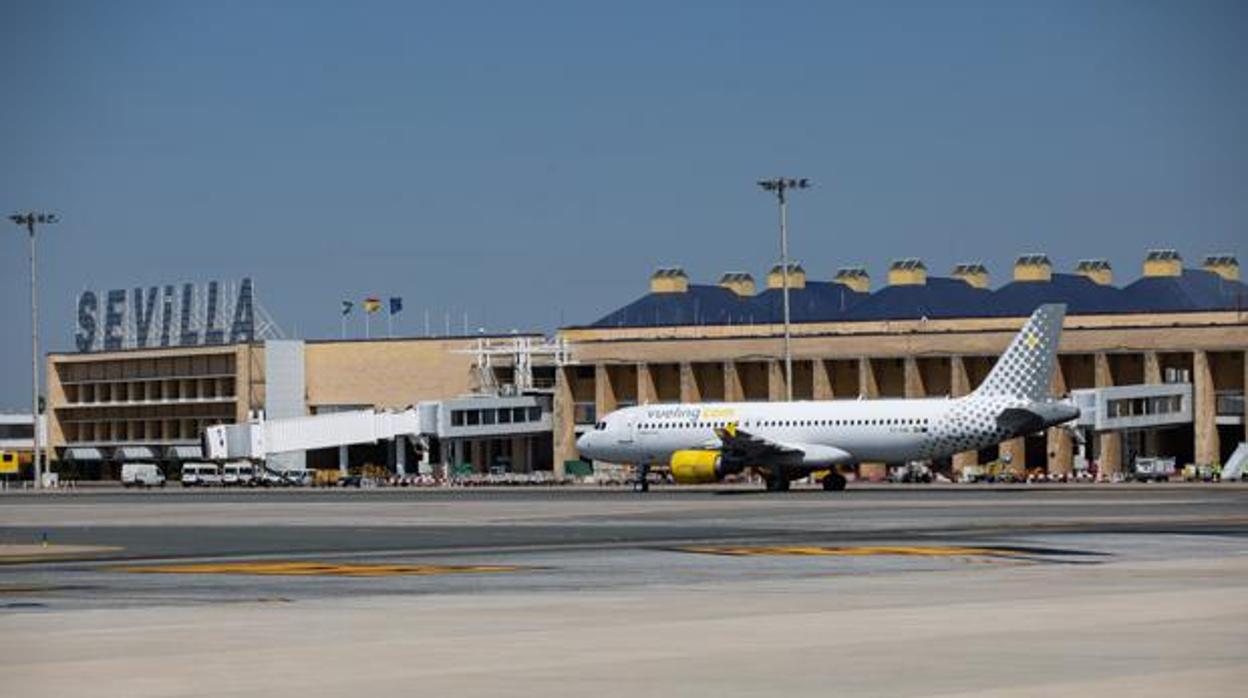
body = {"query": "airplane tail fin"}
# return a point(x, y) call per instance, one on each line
point(1025, 370)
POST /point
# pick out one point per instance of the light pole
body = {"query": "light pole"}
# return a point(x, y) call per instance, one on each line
point(780, 185)
point(28, 221)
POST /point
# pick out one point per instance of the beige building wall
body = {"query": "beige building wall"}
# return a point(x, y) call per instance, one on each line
point(392, 373)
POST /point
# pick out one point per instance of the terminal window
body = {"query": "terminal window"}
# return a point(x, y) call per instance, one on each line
point(17, 431)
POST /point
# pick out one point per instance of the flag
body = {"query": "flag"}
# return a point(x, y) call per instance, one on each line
point(372, 305)
point(346, 307)
point(396, 305)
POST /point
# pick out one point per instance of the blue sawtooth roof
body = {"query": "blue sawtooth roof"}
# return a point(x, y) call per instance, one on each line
point(940, 297)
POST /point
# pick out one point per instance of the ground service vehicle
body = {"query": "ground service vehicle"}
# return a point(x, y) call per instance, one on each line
point(200, 475)
point(141, 475)
point(1154, 469)
point(239, 474)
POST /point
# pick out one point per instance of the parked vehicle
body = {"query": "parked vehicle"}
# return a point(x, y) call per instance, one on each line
point(284, 478)
point(1153, 469)
point(200, 475)
point(141, 475)
point(914, 471)
point(239, 474)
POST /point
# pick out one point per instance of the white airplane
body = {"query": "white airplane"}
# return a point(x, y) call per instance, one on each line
point(704, 442)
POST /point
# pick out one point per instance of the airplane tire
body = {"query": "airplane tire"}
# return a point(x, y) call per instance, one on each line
point(777, 484)
point(834, 482)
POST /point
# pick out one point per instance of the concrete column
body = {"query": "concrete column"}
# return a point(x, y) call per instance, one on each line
point(1016, 450)
point(733, 392)
point(476, 447)
point(646, 392)
point(604, 391)
point(1204, 410)
point(775, 381)
point(822, 380)
point(400, 455)
point(688, 384)
point(959, 385)
point(867, 387)
point(1109, 443)
point(1059, 445)
point(914, 378)
point(344, 459)
point(562, 420)
point(1152, 376)
point(1152, 368)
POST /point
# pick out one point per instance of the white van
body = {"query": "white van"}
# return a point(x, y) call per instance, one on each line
point(200, 475)
point(141, 475)
point(239, 473)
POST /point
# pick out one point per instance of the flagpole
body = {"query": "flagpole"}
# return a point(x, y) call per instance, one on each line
point(390, 325)
point(344, 325)
point(367, 325)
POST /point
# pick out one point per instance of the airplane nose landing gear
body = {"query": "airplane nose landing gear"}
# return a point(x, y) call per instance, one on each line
point(642, 482)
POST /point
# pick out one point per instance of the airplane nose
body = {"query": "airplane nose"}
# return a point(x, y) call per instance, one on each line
point(583, 443)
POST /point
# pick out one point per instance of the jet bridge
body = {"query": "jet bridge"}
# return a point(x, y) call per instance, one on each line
point(457, 427)
point(260, 438)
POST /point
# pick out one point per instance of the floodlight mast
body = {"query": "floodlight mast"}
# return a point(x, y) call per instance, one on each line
point(780, 185)
point(29, 221)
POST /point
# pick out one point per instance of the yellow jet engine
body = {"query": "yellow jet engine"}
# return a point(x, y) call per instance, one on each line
point(696, 467)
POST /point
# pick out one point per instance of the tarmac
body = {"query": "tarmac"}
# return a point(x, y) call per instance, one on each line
point(938, 590)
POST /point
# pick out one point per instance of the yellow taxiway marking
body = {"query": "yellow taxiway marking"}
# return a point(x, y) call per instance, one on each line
point(798, 550)
point(308, 569)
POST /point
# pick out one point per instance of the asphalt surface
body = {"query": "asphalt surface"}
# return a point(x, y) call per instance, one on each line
point(1056, 590)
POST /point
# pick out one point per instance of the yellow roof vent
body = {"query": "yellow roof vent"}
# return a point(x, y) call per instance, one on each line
point(907, 272)
point(739, 282)
point(1163, 263)
point(856, 278)
point(1224, 265)
point(1098, 270)
point(797, 276)
point(669, 280)
point(1033, 267)
point(973, 273)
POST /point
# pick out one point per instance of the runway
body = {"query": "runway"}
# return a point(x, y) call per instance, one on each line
point(972, 590)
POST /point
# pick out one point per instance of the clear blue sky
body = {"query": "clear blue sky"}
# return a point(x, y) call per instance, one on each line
point(530, 163)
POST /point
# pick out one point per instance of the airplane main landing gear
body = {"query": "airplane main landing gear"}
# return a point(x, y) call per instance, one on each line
point(642, 483)
point(834, 482)
point(776, 483)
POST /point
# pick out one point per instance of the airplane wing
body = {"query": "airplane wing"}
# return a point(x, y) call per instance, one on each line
point(742, 447)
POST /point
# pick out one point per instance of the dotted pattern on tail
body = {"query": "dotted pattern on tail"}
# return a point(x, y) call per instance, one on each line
point(1026, 368)
point(1022, 375)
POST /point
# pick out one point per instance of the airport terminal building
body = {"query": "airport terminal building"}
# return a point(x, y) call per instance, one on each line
point(1164, 353)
